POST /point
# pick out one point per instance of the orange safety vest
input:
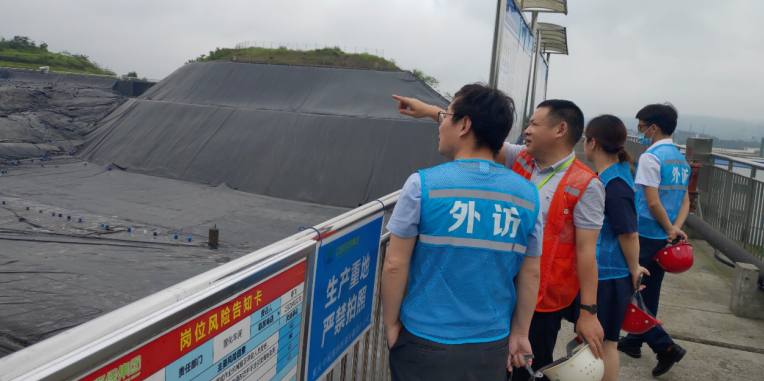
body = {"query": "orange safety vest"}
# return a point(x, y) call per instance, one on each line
point(559, 278)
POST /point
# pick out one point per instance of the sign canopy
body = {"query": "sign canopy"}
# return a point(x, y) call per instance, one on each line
point(554, 38)
point(548, 6)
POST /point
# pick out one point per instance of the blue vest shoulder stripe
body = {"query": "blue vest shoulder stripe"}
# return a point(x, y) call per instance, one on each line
point(471, 242)
point(483, 195)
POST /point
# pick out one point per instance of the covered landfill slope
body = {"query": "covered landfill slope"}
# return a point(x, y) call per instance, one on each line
point(171, 166)
point(58, 272)
point(330, 136)
point(42, 114)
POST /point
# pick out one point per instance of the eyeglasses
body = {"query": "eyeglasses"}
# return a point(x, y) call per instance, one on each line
point(641, 126)
point(441, 116)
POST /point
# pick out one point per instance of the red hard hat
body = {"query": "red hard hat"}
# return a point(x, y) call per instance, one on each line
point(675, 259)
point(638, 321)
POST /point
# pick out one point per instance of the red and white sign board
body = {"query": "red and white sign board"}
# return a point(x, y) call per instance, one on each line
point(253, 335)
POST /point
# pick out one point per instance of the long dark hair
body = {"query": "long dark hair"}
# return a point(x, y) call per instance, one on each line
point(610, 133)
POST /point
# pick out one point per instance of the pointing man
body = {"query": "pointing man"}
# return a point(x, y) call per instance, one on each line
point(466, 236)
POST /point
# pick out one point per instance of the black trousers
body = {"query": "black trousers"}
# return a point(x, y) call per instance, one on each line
point(413, 358)
point(543, 336)
point(656, 338)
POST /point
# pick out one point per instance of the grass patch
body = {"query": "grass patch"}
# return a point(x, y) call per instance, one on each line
point(333, 57)
point(21, 52)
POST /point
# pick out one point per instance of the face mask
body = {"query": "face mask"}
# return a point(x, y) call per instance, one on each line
point(645, 141)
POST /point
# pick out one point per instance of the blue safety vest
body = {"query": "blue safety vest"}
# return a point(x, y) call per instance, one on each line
point(611, 263)
point(675, 175)
point(473, 232)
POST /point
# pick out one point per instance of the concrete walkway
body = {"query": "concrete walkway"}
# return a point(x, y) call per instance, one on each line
point(694, 310)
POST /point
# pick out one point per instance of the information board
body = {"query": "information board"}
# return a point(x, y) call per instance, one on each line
point(253, 335)
point(515, 48)
point(343, 294)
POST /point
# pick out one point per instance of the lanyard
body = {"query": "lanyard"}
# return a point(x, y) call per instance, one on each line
point(565, 165)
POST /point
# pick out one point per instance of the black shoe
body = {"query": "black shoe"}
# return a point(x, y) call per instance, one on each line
point(629, 350)
point(668, 358)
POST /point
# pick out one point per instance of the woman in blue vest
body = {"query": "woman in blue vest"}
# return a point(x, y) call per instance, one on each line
point(618, 245)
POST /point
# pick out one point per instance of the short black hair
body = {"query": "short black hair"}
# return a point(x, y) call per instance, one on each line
point(566, 111)
point(491, 111)
point(662, 115)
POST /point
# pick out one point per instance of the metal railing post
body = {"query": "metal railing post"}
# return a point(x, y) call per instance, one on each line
point(724, 212)
point(747, 221)
point(700, 149)
point(692, 188)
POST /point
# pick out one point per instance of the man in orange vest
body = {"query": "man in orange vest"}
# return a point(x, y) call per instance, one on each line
point(572, 203)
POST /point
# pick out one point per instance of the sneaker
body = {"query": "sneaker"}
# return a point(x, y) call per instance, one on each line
point(668, 358)
point(629, 350)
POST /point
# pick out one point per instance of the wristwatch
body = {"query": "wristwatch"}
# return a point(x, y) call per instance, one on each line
point(592, 309)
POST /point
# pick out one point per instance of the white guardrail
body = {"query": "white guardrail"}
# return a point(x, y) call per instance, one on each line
point(303, 308)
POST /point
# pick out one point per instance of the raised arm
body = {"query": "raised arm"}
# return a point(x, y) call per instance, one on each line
point(416, 108)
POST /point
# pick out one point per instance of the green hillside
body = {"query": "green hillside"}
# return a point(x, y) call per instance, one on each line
point(334, 57)
point(22, 52)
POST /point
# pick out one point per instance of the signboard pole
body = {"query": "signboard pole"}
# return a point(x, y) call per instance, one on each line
point(495, 56)
point(528, 105)
point(536, 56)
point(546, 82)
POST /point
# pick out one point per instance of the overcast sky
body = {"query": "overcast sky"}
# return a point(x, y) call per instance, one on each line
point(705, 56)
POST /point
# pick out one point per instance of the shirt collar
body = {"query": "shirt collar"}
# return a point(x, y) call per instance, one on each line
point(558, 164)
point(662, 142)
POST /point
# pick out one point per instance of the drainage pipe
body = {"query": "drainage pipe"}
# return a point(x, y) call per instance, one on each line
point(725, 245)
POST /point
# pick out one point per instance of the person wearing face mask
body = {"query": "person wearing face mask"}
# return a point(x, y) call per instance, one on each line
point(662, 207)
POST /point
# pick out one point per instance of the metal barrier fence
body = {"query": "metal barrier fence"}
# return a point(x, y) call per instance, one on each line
point(734, 202)
point(109, 344)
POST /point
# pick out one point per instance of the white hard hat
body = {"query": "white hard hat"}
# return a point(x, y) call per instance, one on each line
point(579, 365)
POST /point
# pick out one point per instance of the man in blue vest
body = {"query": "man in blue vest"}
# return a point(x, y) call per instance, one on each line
point(460, 233)
point(662, 207)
